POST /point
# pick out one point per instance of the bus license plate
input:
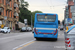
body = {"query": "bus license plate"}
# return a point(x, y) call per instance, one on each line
point(45, 34)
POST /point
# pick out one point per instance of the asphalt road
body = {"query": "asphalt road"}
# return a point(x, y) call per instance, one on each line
point(26, 41)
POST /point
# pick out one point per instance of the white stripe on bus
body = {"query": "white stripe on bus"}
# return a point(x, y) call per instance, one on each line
point(47, 28)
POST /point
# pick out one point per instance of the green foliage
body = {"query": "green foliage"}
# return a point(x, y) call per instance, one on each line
point(10, 28)
point(24, 4)
point(33, 15)
point(26, 14)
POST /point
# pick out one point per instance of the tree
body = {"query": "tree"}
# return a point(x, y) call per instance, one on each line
point(33, 15)
point(24, 4)
point(24, 12)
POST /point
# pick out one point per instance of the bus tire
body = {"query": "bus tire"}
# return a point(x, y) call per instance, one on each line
point(37, 38)
point(56, 39)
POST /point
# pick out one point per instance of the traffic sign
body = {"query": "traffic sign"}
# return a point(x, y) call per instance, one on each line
point(69, 19)
point(25, 19)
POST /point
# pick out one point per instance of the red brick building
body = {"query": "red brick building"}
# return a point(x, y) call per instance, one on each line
point(9, 12)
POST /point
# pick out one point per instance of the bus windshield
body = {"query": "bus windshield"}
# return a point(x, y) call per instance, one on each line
point(46, 18)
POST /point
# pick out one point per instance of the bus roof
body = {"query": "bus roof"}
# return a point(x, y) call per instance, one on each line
point(47, 13)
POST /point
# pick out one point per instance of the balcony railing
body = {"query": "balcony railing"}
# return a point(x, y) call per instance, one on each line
point(18, 11)
point(16, 14)
point(1, 17)
point(10, 19)
point(15, 10)
point(9, 8)
point(15, 5)
point(15, 19)
point(8, 1)
point(1, 5)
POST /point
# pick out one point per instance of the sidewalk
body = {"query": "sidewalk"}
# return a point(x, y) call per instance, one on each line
point(15, 31)
point(12, 31)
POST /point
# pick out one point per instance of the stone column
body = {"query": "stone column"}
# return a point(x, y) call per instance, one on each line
point(10, 23)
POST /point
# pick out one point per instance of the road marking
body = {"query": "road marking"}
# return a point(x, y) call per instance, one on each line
point(47, 28)
point(23, 45)
point(28, 43)
point(11, 37)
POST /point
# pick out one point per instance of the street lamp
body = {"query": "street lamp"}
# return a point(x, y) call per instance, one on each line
point(31, 21)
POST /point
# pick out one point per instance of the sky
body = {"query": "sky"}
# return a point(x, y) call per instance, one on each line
point(48, 6)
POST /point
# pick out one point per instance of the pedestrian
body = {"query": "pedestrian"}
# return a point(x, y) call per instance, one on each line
point(13, 28)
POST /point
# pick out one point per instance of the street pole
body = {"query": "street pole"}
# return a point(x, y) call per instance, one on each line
point(31, 21)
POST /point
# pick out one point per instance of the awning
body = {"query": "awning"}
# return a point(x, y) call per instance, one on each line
point(15, 5)
point(16, 14)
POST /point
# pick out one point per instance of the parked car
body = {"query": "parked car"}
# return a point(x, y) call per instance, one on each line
point(5, 30)
point(29, 29)
point(23, 29)
point(61, 27)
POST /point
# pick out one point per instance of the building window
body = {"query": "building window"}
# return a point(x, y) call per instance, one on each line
point(11, 3)
point(6, 12)
point(14, 7)
point(3, 1)
point(0, 13)
point(11, 14)
point(17, 0)
point(3, 11)
point(11, 24)
point(14, 16)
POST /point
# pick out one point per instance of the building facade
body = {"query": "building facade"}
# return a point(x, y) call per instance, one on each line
point(73, 12)
point(66, 12)
point(9, 13)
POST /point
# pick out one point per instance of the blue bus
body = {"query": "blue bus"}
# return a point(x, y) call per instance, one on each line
point(46, 25)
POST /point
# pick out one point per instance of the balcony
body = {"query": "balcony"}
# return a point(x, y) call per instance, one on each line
point(15, 19)
point(1, 5)
point(15, 1)
point(1, 17)
point(15, 5)
point(15, 10)
point(16, 14)
point(8, 8)
point(8, 1)
point(10, 19)
point(18, 11)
